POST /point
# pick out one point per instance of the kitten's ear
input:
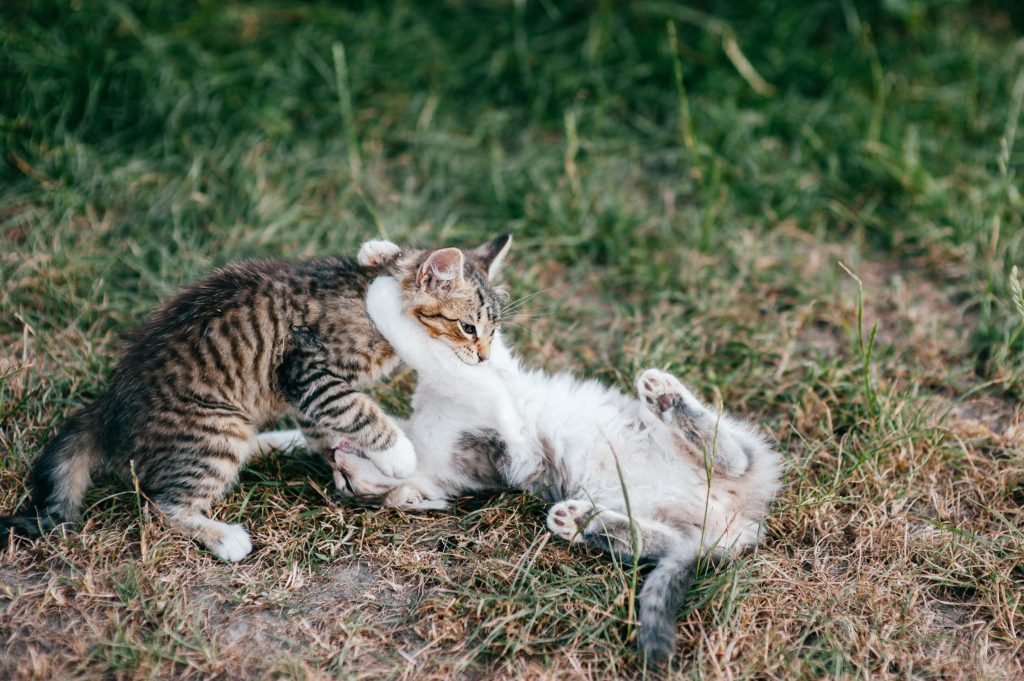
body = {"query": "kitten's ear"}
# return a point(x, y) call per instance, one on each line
point(492, 253)
point(442, 271)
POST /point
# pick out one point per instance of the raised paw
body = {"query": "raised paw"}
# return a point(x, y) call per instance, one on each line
point(377, 252)
point(665, 395)
point(568, 519)
point(397, 461)
point(233, 544)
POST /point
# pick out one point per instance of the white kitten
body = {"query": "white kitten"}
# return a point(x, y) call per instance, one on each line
point(698, 482)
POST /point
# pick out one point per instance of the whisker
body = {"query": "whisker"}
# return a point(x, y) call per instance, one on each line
point(520, 307)
point(526, 318)
point(529, 332)
point(533, 314)
point(518, 302)
point(531, 295)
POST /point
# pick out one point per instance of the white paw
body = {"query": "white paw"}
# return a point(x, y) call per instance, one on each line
point(398, 461)
point(428, 505)
point(404, 496)
point(662, 392)
point(411, 498)
point(567, 519)
point(234, 544)
point(377, 252)
point(278, 440)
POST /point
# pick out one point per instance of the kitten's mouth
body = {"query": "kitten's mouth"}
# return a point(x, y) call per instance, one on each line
point(470, 361)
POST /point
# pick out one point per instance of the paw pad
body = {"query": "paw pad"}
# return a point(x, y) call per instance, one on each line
point(568, 519)
point(654, 387)
point(662, 392)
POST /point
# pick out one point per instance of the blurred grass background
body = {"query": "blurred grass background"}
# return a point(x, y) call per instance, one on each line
point(682, 179)
point(181, 135)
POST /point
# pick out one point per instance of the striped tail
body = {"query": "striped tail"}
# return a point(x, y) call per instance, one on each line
point(660, 599)
point(60, 478)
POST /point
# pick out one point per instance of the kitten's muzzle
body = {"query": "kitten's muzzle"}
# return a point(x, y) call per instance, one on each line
point(483, 349)
point(470, 358)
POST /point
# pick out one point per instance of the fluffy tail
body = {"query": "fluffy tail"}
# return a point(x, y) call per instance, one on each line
point(60, 478)
point(660, 599)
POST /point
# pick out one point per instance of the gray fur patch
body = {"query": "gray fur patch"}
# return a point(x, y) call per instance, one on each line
point(551, 481)
point(685, 418)
point(482, 456)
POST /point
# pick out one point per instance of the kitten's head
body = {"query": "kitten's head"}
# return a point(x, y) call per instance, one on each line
point(451, 293)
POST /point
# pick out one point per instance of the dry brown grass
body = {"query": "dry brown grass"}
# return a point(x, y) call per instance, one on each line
point(894, 551)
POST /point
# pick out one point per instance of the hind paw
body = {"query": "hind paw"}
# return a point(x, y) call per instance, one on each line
point(664, 394)
point(568, 519)
point(232, 545)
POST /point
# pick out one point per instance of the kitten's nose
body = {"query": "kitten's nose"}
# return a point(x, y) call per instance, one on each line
point(482, 356)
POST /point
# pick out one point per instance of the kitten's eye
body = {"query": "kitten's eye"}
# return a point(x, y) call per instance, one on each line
point(468, 328)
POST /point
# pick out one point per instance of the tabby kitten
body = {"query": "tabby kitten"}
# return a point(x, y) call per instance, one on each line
point(238, 350)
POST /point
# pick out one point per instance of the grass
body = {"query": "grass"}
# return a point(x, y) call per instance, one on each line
point(683, 183)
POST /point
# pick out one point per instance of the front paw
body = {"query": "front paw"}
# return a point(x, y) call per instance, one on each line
point(397, 461)
point(411, 498)
point(568, 519)
point(376, 252)
point(404, 496)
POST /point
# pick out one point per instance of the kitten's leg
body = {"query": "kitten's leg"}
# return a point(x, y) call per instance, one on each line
point(710, 432)
point(578, 520)
point(376, 252)
point(356, 477)
point(331, 410)
point(278, 441)
point(354, 474)
point(227, 542)
point(185, 482)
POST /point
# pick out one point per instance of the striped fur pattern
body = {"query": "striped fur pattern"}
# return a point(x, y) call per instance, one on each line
point(699, 482)
point(238, 350)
